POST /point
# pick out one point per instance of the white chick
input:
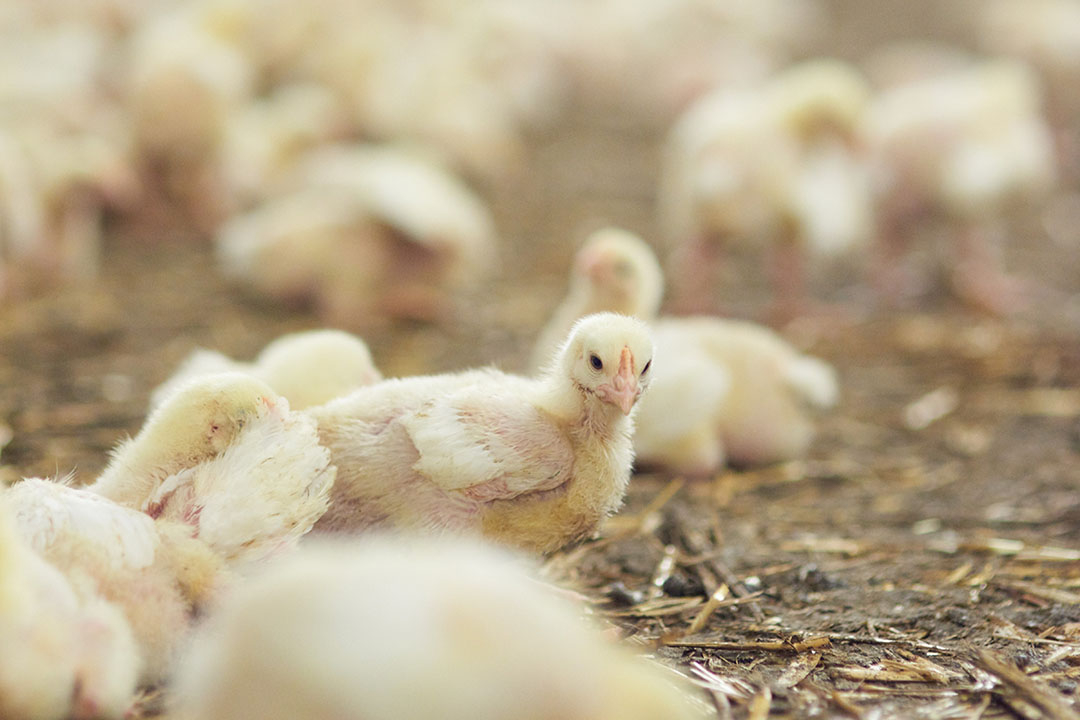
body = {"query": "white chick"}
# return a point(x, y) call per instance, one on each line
point(370, 232)
point(534, 464)
point(1045, 33)
point(614, 271)
point(776, 166)
point(342, 360)
point(966, 146)
point(404, 629)
point(225, 455)
point(263, 141)
point(183, 85)
point(725, 391)
point(63, 656)
point(121, 555)
point(191, 514)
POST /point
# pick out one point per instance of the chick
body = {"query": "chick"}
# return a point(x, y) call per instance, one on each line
point(194, 425)
point(62, 655)
point(344, 363)
point(725, 391)
point(370, 233)
point(965, 146)
point(118, 554)
point(190, 520)
point(777, 166)
point(184, 84)
point(534, 464)
point(225, 455)
point(411, 630)
point(614, 271)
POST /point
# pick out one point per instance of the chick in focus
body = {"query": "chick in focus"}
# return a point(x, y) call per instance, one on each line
point(367, 233)
point(63, 654)
point(307, 368)
point(447, 629)
point(724, 391)
point(531, 463)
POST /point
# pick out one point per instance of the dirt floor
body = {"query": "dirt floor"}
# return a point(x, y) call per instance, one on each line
point(924, 561)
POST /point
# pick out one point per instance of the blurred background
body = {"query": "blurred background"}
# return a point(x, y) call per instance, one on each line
point(218, 172)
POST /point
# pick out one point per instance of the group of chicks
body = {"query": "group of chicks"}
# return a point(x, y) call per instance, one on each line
point(336, 138)
point(192, 529)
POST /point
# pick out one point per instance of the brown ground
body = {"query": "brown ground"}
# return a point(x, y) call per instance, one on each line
point(900, 572)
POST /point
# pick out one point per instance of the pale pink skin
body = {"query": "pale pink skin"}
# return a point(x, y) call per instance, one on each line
point(623, 390)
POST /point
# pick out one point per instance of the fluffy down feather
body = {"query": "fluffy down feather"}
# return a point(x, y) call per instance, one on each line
point(62, 653)
point(463, 622)
point(531, 463)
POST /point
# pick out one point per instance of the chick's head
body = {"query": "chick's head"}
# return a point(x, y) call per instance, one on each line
point(607, 358)
point(204, 417)
point(618, 272)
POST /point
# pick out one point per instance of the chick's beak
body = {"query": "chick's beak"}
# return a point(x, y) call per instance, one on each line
point(622, 391)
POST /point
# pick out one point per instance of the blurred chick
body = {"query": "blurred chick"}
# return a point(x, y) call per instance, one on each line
point(184, 85)
point(967, 146)
point(1045, 33)
point(777, 165)
point(370, 233)
point(614, 271)
point(529, 463)
point(725, 391)
point(63, 654)
point(344, 363)
point(410, 630)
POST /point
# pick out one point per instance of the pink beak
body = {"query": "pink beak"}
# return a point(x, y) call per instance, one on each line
point(622, 391)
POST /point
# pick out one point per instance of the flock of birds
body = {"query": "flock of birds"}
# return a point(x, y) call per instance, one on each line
point(263, 546)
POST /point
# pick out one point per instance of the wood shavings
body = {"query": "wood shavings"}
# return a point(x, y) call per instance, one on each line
point(798, 669)
point(1025, 695)
point(931, 407)
point(792, 645)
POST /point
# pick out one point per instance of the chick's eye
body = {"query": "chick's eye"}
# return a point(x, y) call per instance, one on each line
point(596, 362)
point(646, 368)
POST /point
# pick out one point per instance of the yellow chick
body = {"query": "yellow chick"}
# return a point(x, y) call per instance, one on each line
point(614, 271)
point(403, 629)
point(534, 464)
point(288, 366)
point(194, 425)
point(724, 391)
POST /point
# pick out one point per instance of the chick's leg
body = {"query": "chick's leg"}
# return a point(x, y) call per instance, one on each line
point(978, 278)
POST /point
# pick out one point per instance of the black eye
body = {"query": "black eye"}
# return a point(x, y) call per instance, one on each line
point(596, 362)
point(646, 368)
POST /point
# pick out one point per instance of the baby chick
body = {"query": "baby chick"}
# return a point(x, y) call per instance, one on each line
point(344, 363)
point(367, 232)
point(530, 463)
point(194, 425)
point(225, 455)
point(118, 554)
point(725, 390)
point(614, 271)
point(778, 166)
point(410, 630)
point(191, 515)
point(62, 654)
point(964, 145)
